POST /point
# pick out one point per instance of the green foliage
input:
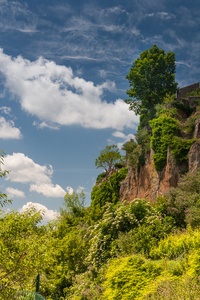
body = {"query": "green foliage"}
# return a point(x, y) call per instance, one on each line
point(106, 192)
point(136, 151)
point(175, 263)
point(180, 148)
point(126, 277)
point(190, 125)
point(115, 221)
point(147, 235)
point(136, 158)
point(183, 202)
point(184, 106)
point(151, 78)
point(66, 259)
point(3, 197)
point(194, 93)
point(176, 245)
point(167, 289)
point(129, 146)
point(164, 133)
point(85, 287)
point(142, 137)
point(22, 248)
point(100, 177)
point(74, 204)
point(108, 157)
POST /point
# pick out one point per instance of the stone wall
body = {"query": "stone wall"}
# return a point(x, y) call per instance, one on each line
point(182, 92)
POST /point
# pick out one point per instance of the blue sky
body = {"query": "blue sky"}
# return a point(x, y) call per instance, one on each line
point(62, 85)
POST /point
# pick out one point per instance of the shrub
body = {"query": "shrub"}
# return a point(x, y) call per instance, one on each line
point(106, 192)
point(125, 278)
point(183, 202)
point(163, 130)
point(164, 133)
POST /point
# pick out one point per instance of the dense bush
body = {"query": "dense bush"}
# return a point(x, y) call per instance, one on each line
point(182, 203)
point(165, 131)
point(106, 192)
point(126, 277)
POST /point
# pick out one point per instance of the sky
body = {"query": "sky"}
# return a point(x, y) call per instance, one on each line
point(63, 67)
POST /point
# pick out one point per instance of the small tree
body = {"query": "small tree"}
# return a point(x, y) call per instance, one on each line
point(74, 204)
point(107, 158)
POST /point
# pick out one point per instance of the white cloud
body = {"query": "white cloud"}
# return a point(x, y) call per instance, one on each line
point(70, 190)
point(15, 16)
point(121, 135)
point(55, 96)
point(6, 110)
point(48, 190)
point(24, 170)
point(80, 189)
point(183, 63)
point(45, 125)
point(48, 214)
point(11, 193)
point(163, 15)
point(8, 129)
point(135, 31)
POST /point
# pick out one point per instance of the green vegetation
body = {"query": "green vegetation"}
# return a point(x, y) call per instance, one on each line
point(113, 250)
point(108, 158)
point(195, 93)
point(164, 134)
point(110, 250)
point(151, 78)
point(3, 197)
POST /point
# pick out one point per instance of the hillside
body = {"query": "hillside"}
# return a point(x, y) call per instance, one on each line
point(172, 149)
point(116, 249)
point(140, 237)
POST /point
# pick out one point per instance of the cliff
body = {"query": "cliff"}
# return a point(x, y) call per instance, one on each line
point(146, 181)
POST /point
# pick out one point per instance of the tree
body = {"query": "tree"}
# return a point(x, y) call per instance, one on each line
point(3, 197)
point(108, 157)
point(22, 248)
point(151, 78)
point(74, 205)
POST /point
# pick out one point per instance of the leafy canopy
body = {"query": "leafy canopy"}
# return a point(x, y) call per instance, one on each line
point(151, 78)
point(108, 157)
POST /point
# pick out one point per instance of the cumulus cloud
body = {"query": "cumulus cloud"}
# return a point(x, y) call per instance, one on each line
point(48, 214)
point(123, 136)
point(53, 94)
point(11, 193)
point(48, 190)
point(8, 129)
point(24, 170)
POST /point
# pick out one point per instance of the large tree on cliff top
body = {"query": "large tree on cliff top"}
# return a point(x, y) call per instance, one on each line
point(151, 78)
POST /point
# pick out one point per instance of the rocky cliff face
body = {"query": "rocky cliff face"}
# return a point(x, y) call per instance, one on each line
point(149, 183)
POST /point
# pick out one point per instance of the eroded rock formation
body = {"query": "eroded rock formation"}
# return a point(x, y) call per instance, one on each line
point(148, 183)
